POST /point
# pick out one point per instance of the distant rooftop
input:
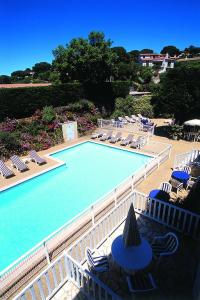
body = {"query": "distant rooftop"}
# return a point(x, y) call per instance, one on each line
point(19, 85)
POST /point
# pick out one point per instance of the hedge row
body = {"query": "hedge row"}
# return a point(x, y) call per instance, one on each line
point(23, 102)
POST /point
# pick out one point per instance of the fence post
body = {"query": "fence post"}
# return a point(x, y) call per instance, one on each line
point(115, 197)
point(170, 150)
point(132, 185)
point(47, 253)
point(92, 214)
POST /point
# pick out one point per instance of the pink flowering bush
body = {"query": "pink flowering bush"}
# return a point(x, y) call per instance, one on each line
point(43, 130)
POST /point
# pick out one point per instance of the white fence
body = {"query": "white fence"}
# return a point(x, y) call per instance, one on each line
point(43, 249)
point(179, 219)
point(125, 126)
point(185, 158)
point(69, 265)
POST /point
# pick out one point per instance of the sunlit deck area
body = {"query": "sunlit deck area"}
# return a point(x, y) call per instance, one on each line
point(169, 274)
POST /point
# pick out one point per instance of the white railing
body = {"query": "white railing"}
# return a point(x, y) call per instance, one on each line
point(91, 286)
point(95, 236)
point(69, 266)
point(185, 158)
point(177, 218)
point(126, 126)
point(43, 249)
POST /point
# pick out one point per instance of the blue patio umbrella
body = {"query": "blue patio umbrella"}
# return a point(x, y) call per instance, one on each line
point(131, 235)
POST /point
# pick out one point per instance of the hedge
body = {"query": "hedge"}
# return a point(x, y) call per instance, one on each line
point(23, 102)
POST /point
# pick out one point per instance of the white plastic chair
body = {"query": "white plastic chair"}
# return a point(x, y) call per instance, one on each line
point(141, 282)
point(96, 264)
point(176, 184)
point(187, 169)
point(165, 245)
point(190, 182)
point(166, 187)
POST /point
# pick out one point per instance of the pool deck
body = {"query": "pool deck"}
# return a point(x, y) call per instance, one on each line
point(152, 181)
point(161, 174)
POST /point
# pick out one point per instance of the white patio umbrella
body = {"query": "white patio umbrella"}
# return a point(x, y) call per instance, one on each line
point(194, 122)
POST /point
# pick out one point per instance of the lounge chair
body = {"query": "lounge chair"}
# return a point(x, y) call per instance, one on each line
point(124, 121)
point(129, 119)
point(127, 140)
point(96, 264)
point(36, 158)
point(106, 136)
point(116, 138)
point(5, 171)
point(96, 134)
point(141, 282)
point(139, 143)
point(18, 163)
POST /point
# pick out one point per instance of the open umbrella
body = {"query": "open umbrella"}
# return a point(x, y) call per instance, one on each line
point(131, 236)
point(194, 122)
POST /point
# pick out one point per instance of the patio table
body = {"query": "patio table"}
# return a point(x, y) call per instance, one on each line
point(159, 194)
point(181, 176)
point(133, 258)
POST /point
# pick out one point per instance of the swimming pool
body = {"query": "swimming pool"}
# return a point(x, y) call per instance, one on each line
point(32, 210)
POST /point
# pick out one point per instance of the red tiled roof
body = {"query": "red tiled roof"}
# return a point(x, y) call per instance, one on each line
point(18, 85)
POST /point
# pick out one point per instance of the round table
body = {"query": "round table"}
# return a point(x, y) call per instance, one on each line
point(181, 176)
point(132, 258)
point(159, 194)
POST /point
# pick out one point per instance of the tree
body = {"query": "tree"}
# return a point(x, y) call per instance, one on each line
point(192, 50)
point(134, 55)
point(41, 67)
point(171, 50)
point(85, 60)
point(4, 79)
point(18, 75)
point(146, 51)
point(123, 56)
point(179, 93)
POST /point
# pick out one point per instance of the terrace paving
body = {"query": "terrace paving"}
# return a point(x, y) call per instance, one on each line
point(169, 274)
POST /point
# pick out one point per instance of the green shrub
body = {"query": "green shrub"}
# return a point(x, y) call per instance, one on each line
point(133, 106)
point(48, 114)
point(23, 102)
point(9, 144)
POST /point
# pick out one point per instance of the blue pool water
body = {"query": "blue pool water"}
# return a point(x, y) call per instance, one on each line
point(34, 209)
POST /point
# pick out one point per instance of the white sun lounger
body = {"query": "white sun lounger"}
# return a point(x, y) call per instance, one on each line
point(18, 163)
point(106, 136)
point(36, 158)
point(116, 138)
point(127, 140)
point(5, 171)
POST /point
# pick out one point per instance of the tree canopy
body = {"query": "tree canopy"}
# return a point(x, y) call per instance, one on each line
point(146, 51)
point(179, 93)
point(41, 67)
point(171, 50)
point(85, 60)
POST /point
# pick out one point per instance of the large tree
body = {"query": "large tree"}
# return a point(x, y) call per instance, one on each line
point(146, 50)
point(122, 55)
point(179, 93)
point(41, 67)
point(171, 50)
point(134, 55)
point(192, 50)
point(5, 79)
point(85, 60)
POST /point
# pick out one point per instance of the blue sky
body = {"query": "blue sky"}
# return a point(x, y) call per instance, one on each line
point(29, 30)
